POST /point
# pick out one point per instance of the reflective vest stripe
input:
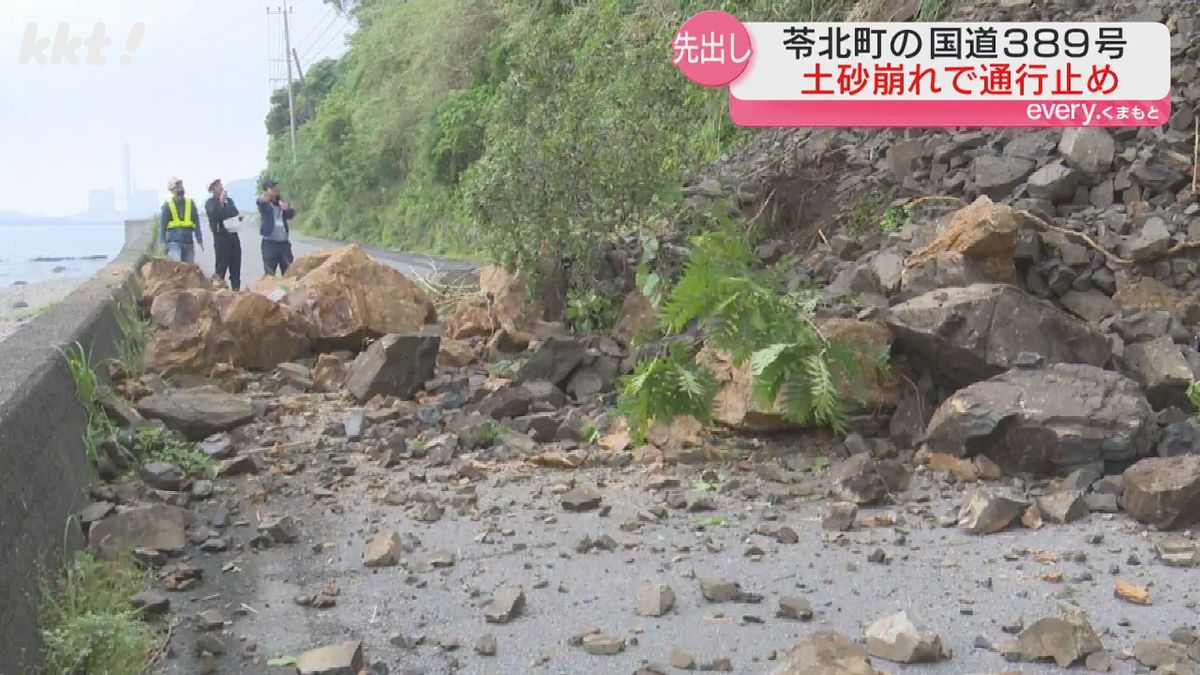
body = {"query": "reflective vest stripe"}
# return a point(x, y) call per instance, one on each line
point(176, 222)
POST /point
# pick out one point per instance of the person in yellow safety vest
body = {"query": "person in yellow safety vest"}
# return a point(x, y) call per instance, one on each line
point(179, 225)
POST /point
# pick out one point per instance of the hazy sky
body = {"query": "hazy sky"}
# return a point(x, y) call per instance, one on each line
point(190, 102)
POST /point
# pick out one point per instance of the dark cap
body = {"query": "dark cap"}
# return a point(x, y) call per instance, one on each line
point(269, 183)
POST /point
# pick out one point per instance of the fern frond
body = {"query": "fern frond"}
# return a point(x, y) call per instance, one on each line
point(757, 317)
point(820, 382)
point(766, 358)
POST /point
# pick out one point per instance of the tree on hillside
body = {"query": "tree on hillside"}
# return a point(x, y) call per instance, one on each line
point(318, 82)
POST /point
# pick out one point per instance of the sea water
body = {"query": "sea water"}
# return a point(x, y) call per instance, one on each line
point(36, 252)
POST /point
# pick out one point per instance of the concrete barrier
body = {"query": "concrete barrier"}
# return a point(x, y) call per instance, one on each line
point(44, 471)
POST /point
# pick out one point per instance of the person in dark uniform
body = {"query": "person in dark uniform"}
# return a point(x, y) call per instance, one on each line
point(227, 246)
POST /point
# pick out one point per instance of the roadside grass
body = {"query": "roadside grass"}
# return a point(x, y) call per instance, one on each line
point(99, 427)
point(155, 444)
point(89, 624)
point(135, 329)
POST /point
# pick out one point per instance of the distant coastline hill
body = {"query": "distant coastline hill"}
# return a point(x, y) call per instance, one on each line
point(244, 191)
point(18, 218)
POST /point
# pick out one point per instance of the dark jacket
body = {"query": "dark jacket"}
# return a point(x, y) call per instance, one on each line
point(217, 215)
point(180, 234)
point(268, 217)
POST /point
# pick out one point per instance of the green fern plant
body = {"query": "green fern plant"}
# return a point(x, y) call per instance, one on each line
point(747, 313)
point(664, 387)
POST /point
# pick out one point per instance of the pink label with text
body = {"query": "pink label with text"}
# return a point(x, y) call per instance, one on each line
point(931, 74)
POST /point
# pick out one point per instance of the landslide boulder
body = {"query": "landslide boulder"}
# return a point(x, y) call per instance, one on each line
point(502, 305)
point(348, 297)
point(199, 412)
point(1046, 422)
point(189, 336)
point(1164, 491)
point(974, 332)
point(472, 317)
point(395, 365)
point(266, 333)
point(159, 528)
point(735, 406)
point(161, 275)
point(982, 232)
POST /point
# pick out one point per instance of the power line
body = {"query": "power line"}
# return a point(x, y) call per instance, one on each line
point(309, 51)
point(321, 50)
point(327, 21)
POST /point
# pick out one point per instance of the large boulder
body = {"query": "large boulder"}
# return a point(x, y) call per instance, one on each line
point(190, 338)
point(1161, 368)
point(301, 266)
point(1047, 422)
point(982, 232)
point(1164, 491)
point(1090, 150)
point(395, 365)
point(161, 275)
point(997, 177)
point(266, 333)
point(199, 412)
point(868, 340)
point(598, 371)
point(553, 360)
point(977, 331)
point(472, 317)
point(734, 405)
point(157, 528)
point(945, 269)
point(270, 287)
point(513, 306)
point(349, 298)
point(503, 305)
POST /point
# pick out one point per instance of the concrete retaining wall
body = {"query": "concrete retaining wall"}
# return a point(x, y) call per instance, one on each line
point(44, 472)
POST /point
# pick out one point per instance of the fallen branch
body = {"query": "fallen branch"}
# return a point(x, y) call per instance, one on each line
point(751, 223)
point(445, 296)
point(161, 653)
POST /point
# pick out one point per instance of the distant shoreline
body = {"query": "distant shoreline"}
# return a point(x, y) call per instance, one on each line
point(19, 304)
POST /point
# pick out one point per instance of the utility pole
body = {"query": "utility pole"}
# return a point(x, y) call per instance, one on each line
point(287, 38)
point(287, 56)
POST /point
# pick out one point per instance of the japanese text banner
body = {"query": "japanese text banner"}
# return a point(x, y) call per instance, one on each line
point(933, 74)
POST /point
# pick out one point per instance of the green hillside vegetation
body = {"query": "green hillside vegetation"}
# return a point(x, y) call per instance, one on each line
point(506, 129)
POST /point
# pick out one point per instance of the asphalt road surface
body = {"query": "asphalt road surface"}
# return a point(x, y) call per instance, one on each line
point(411, 264)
